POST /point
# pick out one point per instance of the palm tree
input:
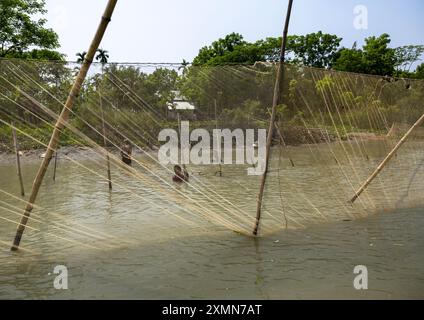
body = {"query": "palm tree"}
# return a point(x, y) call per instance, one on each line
point(184, 65)
point(81, 56)
point(102, 56)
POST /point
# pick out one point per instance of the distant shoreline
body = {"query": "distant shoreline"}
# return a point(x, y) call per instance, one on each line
point(35, 155)
point(79, 153)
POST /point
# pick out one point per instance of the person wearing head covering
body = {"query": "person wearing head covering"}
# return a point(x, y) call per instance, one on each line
point(126, 152)
point(180, 175)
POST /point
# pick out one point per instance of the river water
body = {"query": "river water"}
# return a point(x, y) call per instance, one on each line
point(128, 244)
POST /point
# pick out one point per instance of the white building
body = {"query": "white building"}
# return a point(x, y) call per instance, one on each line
point(181, 106)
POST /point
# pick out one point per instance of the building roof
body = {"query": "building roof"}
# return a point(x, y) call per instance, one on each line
point(180, 102)
point(181, 105)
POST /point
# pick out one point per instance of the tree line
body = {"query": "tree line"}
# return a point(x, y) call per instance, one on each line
point(230, 81)
point(23, 36)
point(319, 50)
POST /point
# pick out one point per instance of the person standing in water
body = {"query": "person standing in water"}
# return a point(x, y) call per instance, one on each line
point(126, 153)
point(180, 175)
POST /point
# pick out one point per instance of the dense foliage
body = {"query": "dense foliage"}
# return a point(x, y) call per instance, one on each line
point(230, 82)
point(22, 36)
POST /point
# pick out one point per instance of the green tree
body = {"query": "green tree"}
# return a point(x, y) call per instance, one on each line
point(350, 60)
point(20, 32)
point(379, 59)
point(246, 53)
point(419, 73)
point(184, 65)
point(315, 49)
point(407, 56)
point(81, 56)
point(218, 49)
point(376, 57)
point(270, 49)
point(102, 56)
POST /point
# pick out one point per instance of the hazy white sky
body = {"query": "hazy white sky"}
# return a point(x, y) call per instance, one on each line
point(171, 30)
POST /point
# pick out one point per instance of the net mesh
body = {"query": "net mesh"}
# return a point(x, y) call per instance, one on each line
point(332, 130)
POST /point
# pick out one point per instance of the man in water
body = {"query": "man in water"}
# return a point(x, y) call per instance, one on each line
point(180, 175)
point(126, 153)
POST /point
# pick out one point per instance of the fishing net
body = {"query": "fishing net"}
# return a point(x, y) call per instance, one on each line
point(332, 130)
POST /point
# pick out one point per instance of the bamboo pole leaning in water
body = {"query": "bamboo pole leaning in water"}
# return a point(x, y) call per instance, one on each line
point(18, 160)
point(109, 176)
point(63, 118)
point(275, 102)
point(392, 153)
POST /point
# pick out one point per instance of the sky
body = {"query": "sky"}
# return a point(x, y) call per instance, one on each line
point(168, 31)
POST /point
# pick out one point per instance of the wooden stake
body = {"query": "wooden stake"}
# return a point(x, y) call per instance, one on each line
point(216, 127)
point(180, 142)
point(18, 161)
point(109, 176)
point(392, 153)
point(275, 102)
point(55, 166)
point(283, 142)
point(63, 118)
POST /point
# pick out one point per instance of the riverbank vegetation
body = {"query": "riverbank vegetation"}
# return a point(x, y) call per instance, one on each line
point(229, 84)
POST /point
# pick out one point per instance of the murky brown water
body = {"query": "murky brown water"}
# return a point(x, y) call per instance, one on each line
point(127, 244)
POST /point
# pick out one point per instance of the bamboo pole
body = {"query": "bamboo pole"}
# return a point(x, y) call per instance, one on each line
point(275, 102)
point(283, 142)
point(180, 142)
point(18, 161)
point(216, 127)
point(55, 166)
point(63, 118)
point(109, 176)
point(392, 153)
